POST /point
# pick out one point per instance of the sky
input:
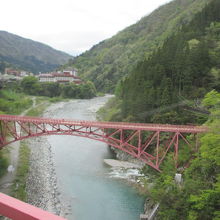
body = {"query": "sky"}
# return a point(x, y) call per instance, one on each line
point(72, 26)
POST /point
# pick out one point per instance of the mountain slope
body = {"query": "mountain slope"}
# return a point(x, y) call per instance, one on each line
point(159, 90)
point(109, 61)
point(28, 54)
point(185, 68)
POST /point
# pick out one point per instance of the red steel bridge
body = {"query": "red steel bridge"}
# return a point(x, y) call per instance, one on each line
point(147, 142)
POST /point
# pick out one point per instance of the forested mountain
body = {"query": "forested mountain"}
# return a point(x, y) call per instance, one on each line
point(114, 58)
point(197, 197)
point(28, 54)
point(180, 83)
point(178, 75)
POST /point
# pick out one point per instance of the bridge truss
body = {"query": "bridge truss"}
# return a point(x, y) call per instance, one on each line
point(147, 142)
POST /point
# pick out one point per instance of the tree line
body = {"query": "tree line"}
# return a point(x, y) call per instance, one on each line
point(31, 86)
point(172, 86)
point(197, 196)
point(177, 75)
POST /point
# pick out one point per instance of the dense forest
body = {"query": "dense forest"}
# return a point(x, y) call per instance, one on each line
point(168, 86)
point(179, 84)
point(197, 196)
point(109, 61)
point(30, 85)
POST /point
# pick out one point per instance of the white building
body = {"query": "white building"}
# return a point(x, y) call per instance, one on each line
point(64, 77)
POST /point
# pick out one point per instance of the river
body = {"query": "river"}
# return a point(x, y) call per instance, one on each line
point(83, 178)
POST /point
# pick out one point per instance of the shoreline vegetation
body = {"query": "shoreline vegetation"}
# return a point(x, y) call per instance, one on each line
point(31, 86)
point(17, 98)
point(21, 186)
point(148, 186)
point(161, 190)
point(35, 180)
point(42, 103)
point(4, 161)
point(154, 181)
point(179, 84)
point(11, 102)
point(26, 182)
point(14, 102)
point(25, 178)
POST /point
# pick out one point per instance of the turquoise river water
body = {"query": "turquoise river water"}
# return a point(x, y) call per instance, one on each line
point(83, 178)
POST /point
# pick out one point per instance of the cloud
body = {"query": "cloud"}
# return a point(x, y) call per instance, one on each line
point(73, 42)
point(72, 25)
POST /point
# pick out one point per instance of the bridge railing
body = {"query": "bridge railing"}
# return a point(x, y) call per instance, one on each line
point(118, 125)
point(18, 210)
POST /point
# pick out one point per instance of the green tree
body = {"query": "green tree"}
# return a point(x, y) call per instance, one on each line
point(198, 197)
point(30, 85)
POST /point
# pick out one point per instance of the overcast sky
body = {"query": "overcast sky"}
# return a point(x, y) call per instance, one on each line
point(72, 26)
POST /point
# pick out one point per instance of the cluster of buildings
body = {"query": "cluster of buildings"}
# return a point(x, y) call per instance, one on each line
point(65, 76)
point(13, 75)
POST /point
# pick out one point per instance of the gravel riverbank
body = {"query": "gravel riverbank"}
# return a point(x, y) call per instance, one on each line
point(41, 187)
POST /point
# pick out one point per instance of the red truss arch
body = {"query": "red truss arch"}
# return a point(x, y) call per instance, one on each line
point(138, 140)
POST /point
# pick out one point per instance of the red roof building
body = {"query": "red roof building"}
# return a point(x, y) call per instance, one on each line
point(64, 77)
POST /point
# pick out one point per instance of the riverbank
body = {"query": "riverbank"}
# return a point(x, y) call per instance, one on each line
point(20, 154)
point(127, 167)
point(83, 178)
point(41, 183)
point(30, 175)
point(41, 187)
point(8, 180)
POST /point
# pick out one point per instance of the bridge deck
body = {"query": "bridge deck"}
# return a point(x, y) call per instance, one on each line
point(115, 125)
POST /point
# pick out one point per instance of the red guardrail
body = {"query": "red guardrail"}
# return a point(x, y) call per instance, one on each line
point(18, 210)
